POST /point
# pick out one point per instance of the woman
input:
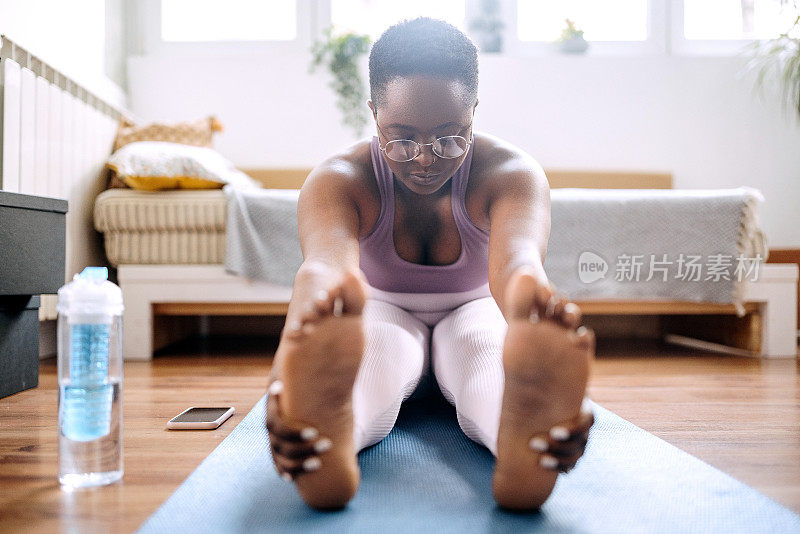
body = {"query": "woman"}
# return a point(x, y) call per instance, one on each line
point(423, 252)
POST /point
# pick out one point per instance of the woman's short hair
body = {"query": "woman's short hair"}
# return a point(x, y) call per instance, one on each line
point(422, 46)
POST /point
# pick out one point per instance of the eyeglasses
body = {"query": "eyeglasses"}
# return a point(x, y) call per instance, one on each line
point(448, 147)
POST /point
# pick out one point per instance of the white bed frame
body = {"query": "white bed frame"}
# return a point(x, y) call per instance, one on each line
point(188, 290)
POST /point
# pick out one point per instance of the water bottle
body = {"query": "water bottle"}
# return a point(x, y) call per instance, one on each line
point(89, 380)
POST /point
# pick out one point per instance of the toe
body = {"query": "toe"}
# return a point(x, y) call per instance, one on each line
point(519, 295)
point(352, 293)
point(323, 302)
point(293, 329)
point(586, 338)
point(309, 315)
point(571, 315)
point(543, 295)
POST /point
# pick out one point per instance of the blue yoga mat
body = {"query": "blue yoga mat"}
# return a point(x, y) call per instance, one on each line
point(426, 476)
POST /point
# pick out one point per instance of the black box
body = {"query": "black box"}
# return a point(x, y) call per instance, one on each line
point(32, 262)
point(19, 344)
point(32, 244)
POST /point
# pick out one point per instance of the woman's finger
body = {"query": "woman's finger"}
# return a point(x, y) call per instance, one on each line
point(302, 450)
point(276, 425)
point(297, 467)
point(585, 418)
point(562, 449)
point(574, 428)
point(558, 464)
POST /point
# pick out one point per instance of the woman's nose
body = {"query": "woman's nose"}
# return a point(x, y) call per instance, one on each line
point(426, 156)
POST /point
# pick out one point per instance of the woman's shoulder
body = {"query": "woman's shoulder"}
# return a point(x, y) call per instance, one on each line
point(498, 165)
point(350, 166)
point(493, 155)
point(349, 175)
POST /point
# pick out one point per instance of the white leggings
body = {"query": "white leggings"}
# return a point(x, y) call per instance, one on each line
point(464, 351)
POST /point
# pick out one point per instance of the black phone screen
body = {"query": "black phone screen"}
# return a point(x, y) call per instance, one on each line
point(201, 415)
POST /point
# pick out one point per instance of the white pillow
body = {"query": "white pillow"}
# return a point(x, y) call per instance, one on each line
point(156, 165)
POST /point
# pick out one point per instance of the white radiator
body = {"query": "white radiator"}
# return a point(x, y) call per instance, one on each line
point(56, 137)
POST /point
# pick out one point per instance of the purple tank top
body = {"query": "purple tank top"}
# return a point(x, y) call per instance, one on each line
point(387, 271)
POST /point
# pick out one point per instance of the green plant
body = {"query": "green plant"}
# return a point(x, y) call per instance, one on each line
point(779, 58)
point(340, 54)
point(570, 32)
point(488, 26)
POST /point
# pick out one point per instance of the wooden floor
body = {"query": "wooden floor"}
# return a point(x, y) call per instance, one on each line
point(741, 415)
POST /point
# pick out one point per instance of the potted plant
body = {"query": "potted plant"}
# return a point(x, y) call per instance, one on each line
point(571, 40)
point(488, 27)
point(779, 58)
point(340, 53)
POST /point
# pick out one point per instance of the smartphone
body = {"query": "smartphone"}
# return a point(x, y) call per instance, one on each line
point(200, 418)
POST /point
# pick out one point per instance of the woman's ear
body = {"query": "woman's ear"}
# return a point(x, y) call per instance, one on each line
point(476, 105)
point(372, 108)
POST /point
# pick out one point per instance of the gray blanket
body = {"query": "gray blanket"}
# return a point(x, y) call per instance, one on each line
point(692, 245)
point(262, 240)
point(686, 245)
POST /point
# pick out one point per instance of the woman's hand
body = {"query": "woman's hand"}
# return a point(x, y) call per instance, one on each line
point(294, 449)
point(566, 443)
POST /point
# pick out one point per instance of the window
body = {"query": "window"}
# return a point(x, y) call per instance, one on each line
point(610, 20)
point(528, 27)
point(232, 20)
point(374, 16)
point(736, 19)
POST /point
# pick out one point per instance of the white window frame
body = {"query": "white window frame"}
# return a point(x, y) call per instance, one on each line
point(152, 43)
point(656, 43)
point(664, 37)
point(681, 46)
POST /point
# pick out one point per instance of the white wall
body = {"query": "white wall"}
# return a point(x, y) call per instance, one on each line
point(68, 35)
point(691, 116)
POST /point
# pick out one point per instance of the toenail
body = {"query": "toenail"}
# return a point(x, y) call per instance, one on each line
point(581, 331)
point(276, 387)
point(287, 477)
point(322, 295)
point(571, 307)
point(538, 444)
point(586, 405)
point(548, 462)
point(338, 306)
point(534, 317)
point(309, 433)
point(323, 445)
point(550, 309)
point(312, 464)
point(559, 432)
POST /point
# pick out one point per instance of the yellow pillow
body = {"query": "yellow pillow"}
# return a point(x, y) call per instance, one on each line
point(157, 183)
point(156, 165)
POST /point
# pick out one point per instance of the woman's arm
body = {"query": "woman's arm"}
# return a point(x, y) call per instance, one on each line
point(328, 221)
point(519, 218)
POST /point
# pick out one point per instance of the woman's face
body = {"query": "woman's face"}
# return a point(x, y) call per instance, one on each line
point(423, 108)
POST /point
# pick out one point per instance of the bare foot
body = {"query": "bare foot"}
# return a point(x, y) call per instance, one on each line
point(546, 362)
point(318, 359)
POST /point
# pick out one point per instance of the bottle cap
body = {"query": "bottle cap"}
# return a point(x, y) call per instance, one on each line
point(90, 293)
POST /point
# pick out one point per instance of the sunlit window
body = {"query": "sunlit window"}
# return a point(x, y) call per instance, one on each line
point(736, 19)
point(372, 17)
point(231, 20)
point(609, 20)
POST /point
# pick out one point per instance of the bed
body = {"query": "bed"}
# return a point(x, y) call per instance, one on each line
point(170, 251)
